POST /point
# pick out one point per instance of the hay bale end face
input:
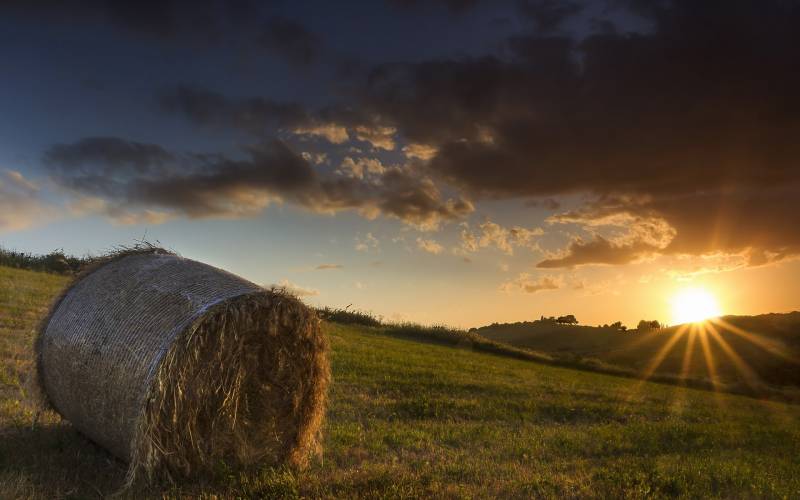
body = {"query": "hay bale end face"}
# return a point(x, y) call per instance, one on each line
point(175, 366)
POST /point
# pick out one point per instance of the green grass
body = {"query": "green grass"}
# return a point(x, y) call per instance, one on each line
point(411, 419)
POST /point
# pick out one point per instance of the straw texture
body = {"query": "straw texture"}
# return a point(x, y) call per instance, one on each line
point(173, 366)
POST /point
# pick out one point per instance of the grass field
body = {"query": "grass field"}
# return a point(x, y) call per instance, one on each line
point(410, 419)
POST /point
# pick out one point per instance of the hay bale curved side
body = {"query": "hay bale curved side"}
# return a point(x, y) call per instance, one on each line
point(173, 365)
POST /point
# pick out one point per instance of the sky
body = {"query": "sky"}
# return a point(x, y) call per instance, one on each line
point(455, 162)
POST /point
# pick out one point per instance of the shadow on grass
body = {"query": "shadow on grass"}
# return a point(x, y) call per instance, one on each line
point(54, 461)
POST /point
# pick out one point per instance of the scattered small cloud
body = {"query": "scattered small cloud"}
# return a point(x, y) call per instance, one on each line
point(360, 167)
point(430, 246)
point(491, 234)
point(334, 133)
point(327, 267)
point(367, 243)
point(379, 136)
point(420, 151)
point(528, 284)
point(315, 158)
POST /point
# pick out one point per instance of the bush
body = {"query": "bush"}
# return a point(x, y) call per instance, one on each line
point(55, 262)
point(346, 317)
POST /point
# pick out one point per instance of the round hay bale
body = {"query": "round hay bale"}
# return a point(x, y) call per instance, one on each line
point(175, 366)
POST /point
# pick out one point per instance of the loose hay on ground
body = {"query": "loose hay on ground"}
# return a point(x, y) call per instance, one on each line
point(176, 367)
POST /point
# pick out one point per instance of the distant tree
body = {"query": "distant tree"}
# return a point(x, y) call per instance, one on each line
point(569, 319)
point(618, 326)
point(647, 326)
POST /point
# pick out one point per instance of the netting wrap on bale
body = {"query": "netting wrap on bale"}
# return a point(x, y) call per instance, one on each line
point(175, 366)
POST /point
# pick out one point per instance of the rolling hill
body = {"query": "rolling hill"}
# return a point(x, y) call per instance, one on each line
point(752, 352)
point(410, 419)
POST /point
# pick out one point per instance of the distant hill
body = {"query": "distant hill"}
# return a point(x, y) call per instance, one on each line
point(740, 350)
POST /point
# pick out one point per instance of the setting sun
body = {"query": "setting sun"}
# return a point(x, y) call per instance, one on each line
point(693, 305)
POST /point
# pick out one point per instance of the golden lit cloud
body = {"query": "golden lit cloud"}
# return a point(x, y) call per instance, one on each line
point(430, 246)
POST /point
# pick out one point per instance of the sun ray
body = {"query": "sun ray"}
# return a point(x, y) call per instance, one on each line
point(663, 352)
point(711, 366)
point(750, 376)
point(770, 346)
point(653, 366)
point(688, 352)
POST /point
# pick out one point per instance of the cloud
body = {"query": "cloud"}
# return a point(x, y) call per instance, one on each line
point(262, 117)
point(526, 283)
point(369, 242)
point(333, 132)
point(742, 222)
point(326, 267)
point(315, 158)
point(454, 6)
point(419, 151)
point(296, 290)
point(686, 122)
point(361, 167)
point(653, 115)
point(200, 20)
point(109, 154)
point(131, 178)
point(598, 251)
point(255, 115)
point(20, 203)
point(430, 246)
point(492, 234)
point(548, 15)
point(378, 136)
point(291, 40)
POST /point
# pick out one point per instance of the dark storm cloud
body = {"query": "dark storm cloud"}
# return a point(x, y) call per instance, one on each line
point(261, 117)
point(254, 115)
point(206, 19)
point(548, 15)
point(110, 153)
point(130, 177)
point(291, 40)
point(455, 6)
point(700, 116)
point(689, 125)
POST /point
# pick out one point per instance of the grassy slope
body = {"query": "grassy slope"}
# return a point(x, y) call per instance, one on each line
point(411, 419)
point(635, 350)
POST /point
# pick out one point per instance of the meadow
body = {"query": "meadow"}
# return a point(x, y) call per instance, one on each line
point(411, 418)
